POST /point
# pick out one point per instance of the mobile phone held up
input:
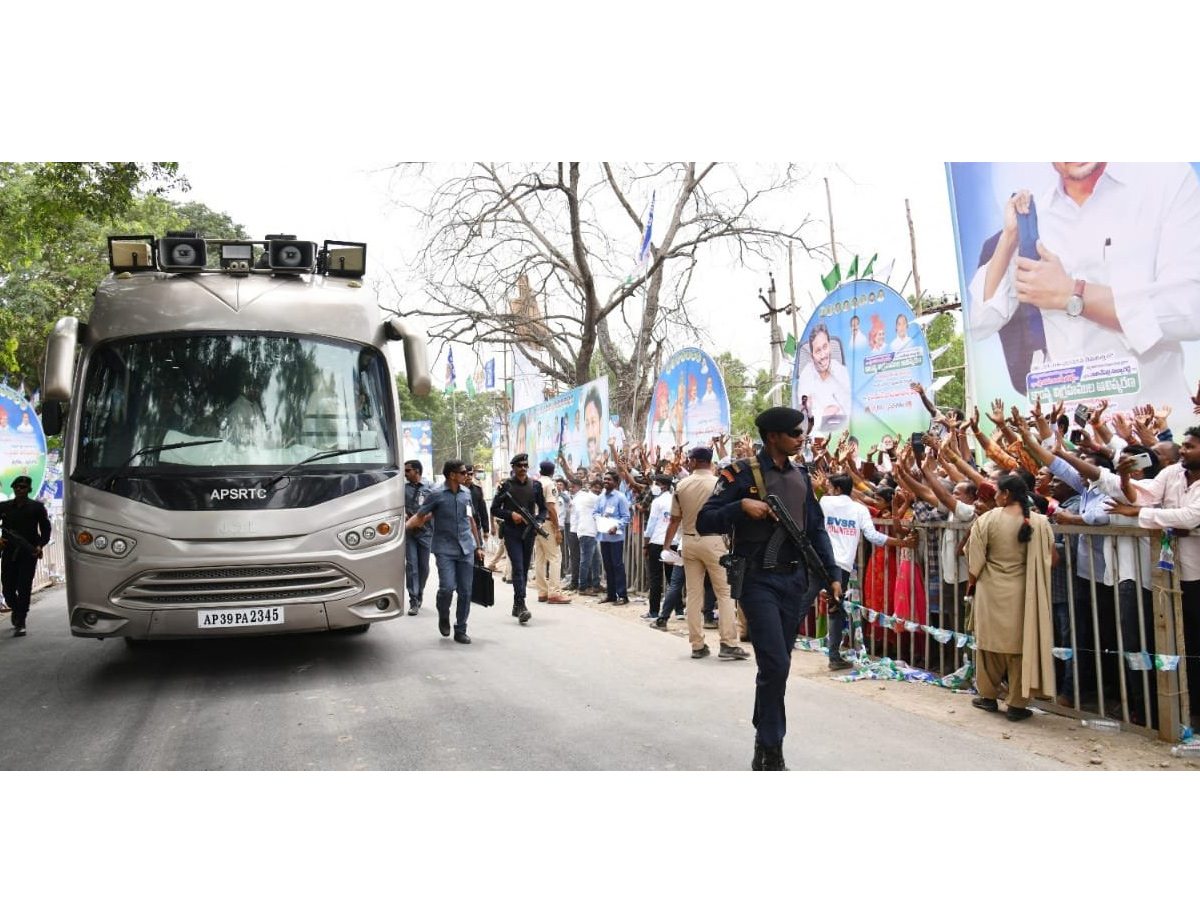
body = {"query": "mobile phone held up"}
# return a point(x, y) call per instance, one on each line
point(1141, 461)
point(1082, 416)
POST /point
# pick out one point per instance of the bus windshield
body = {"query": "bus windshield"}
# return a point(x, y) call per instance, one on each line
point(265, 400)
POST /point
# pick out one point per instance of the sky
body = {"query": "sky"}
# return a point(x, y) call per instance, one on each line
point(357, 200)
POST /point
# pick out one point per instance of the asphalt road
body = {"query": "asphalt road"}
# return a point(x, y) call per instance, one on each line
point(574, 690)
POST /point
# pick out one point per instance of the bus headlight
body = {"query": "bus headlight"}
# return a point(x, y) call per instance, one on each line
point(365, 537)
point(101, 543)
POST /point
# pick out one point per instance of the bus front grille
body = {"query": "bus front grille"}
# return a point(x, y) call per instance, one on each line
point(309, 583)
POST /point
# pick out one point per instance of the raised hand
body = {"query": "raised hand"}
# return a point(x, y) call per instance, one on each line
point(1098, 412)
point(997, 413)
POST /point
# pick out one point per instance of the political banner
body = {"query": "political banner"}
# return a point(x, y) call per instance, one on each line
point(858, 355)
point(690, 405)
point(577, 421)
point(22, 442)
point(1124, 238)
point(416, 442)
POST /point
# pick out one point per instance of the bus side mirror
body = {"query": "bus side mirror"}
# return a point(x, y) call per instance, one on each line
point(416, 363)
point(52, 417)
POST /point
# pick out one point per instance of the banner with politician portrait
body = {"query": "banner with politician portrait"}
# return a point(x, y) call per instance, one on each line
point(416, 442)
point(1080, 281)
point(22, 442)
point(855, 362)
point(689, 406)
point(577, 421)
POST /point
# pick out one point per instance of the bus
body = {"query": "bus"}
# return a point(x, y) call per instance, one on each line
point(230, 441)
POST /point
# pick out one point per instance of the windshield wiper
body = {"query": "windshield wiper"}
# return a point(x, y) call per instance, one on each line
point(324, 454)
point(156, 448)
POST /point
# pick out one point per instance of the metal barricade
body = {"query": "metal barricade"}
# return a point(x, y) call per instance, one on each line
point(1116, 638)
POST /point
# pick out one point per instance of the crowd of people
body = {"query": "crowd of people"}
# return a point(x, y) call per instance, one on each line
point(962, 522)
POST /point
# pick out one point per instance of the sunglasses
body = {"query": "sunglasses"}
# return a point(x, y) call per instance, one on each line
point(795, 433)
point(521, 466)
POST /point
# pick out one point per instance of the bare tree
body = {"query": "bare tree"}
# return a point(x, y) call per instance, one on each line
point(544, 255)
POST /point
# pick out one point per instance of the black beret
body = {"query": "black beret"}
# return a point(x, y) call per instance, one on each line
point(22, 479)
point(546, 467)
point(519, 458)
point(663, 479)
point(779, 419)
point(700, 453)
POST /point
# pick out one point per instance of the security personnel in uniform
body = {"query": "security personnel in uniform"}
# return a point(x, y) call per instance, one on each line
point(774, 598)
point(26, 532)
point(517, 533)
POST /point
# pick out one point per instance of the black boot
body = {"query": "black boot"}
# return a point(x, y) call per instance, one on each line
point(756, 764)
point(523, 615)
point(773, 760)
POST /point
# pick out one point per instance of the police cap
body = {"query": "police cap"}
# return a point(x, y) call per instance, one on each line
point(546, 467)
point(700, 454)
point(23, 479)
point(780, 419)
point(518, 459)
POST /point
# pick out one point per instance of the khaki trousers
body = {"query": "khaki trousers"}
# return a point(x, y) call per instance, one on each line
point(701, 556)
point(991, 670)
point(547, 553)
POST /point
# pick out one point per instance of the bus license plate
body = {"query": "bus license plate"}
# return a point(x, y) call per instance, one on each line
point(236, 618)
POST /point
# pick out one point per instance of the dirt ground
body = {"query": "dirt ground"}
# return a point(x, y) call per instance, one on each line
point(1046, 734)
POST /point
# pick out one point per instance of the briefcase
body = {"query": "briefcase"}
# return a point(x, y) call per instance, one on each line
point(483, 589)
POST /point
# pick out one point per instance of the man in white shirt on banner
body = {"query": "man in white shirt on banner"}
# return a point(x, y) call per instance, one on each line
point(826, 382)
point(1118, 272)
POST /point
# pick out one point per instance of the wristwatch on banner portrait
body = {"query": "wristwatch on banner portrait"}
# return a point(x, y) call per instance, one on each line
point(1075, 301)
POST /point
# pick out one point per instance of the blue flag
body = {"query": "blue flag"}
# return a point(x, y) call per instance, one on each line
point(450, 376)
point(489, 374)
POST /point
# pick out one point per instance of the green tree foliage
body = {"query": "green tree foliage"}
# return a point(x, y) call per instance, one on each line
point(944, 331)
point(747, 394)
point(473, 416)
point(54, 220)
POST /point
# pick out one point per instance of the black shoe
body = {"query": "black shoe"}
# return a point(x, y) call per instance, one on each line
point(772, 760)
point(986, 703)
point(444, 625)
point(710, 624)
point(460, 637)
point(728, 652)
point(19, 632)
point(702, 652)
point(838, 664)
point(413, 608)
point(660, 624)
point(523, 615)
point(1017, 713)
point(608, 600)
point(756, 762)
point(621, 601)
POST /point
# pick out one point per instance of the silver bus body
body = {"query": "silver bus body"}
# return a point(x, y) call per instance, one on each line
point(211, 542)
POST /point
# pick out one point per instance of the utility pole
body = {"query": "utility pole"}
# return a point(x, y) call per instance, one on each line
point(772, 317)
point(829, 204)
point(912, 239)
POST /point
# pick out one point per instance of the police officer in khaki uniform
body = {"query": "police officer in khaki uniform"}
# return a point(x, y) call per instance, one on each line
point(547, 551)
point(701, 556)
point(774, 594)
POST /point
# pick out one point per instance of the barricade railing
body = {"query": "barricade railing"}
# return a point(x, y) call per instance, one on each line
point(1118, 640)
point(51, 568)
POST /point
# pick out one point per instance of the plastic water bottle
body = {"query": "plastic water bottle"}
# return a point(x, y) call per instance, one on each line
point(1192, 749)
point(1101, 724)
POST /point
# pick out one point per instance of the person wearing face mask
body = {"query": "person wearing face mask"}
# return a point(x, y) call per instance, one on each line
point(652, 545)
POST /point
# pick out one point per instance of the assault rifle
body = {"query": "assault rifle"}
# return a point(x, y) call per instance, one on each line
point(792, 531)
point(525, 514)
point(20, 541)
